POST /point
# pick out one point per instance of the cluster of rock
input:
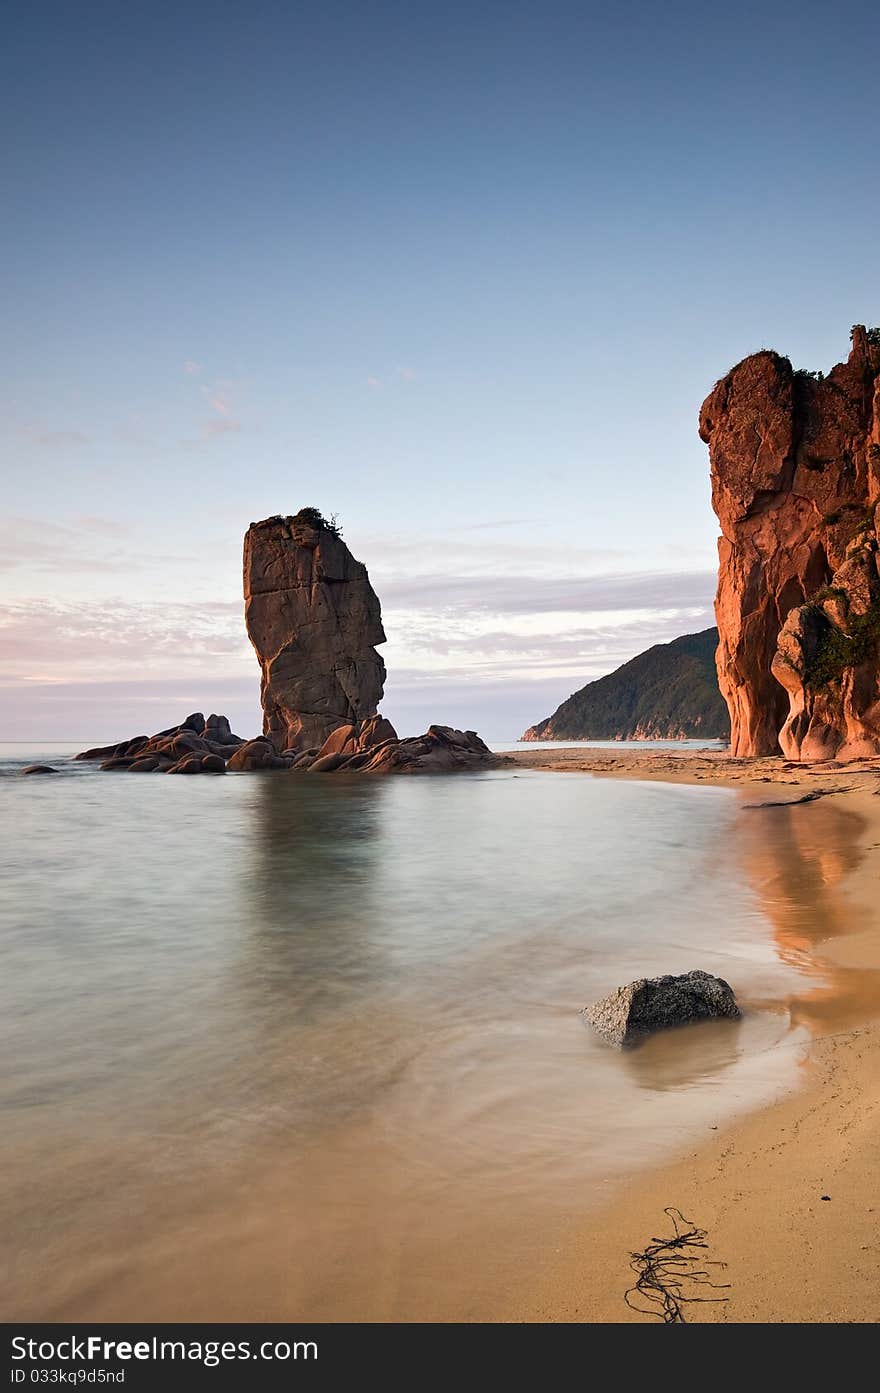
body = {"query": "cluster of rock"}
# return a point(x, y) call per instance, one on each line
point(373, 747)
point(199, 746)
point(795, 462)
point(657, 1003)
point(196, 746)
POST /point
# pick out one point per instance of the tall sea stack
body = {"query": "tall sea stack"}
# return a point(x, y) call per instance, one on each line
point(314, 620)
point(795, 463)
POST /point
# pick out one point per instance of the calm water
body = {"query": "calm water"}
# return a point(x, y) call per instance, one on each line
point(285, 1047)
point(643, 745)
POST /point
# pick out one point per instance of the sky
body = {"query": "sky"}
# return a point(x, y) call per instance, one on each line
point(460, 274)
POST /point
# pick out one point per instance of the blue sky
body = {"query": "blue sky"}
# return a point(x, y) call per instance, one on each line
point(461, 274)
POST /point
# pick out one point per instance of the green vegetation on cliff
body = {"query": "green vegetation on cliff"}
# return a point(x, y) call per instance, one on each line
point(669, 692)
point(837, 651)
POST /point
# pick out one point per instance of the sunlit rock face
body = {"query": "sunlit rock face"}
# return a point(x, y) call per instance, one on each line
point(314, 621)
point(795, 465)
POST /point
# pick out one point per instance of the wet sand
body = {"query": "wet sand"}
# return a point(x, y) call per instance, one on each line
point(788, 1196)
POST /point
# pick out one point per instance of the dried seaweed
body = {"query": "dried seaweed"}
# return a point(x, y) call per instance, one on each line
point(670, 1272)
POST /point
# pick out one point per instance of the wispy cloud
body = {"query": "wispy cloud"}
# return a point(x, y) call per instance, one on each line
point(495, 523)
point(60, 439)
point(100, 526)
point(219, 398)
point(99, 712)
point(224, 422)
point(222, 427)
point(501, 594)
point(192, 368)
point(39, 546)
point(43, 640)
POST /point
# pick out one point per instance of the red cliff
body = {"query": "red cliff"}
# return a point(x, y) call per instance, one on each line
point(795, 464)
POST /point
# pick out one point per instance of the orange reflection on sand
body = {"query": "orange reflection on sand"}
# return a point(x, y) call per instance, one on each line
point(797, 858)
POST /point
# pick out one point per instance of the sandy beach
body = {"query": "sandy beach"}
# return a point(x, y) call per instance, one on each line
point(788, 1196)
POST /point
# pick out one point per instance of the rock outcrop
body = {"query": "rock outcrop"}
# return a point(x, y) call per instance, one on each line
point(795, 463)
point(440, 750)
point(196, 746)
point(314, 621)
point(255, 755)
point(656, 1003)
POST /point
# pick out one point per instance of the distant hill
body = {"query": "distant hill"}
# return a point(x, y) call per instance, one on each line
point(669, 692)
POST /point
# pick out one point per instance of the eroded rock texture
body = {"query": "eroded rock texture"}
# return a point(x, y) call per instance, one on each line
point(314, 621)
point(795, 463)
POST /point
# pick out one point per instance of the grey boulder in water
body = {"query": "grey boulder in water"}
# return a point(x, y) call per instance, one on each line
point(656, 1003)
point(39, 769)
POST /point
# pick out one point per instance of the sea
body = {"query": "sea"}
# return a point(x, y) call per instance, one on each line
point(293, 1048)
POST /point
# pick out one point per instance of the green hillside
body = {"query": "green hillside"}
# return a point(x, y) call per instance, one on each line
point(669, 692)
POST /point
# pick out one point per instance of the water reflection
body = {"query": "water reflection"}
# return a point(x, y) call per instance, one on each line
point(308, 890)
point(797, 858)
point(693, 1055)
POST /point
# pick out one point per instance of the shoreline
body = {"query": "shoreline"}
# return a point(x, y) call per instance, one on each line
point(758, 1185)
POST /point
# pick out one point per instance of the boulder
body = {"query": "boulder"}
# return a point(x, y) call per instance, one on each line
point(326, 764)
point(304, 761)
point(218, 731)
point(186, 743)
point(440, 750)
point(39, 769)
point(374, 731)
point(190, 764)
point(656, 1003)
point(341, 741)
point(361, 737)
point(352, 762)
point(122, 747)
point(255, 755)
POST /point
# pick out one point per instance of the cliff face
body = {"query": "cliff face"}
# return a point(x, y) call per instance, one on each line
point(669, 692)
point(314, 620)
point(795, 464)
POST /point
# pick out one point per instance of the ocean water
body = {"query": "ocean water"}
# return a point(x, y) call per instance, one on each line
point(286, 1047)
